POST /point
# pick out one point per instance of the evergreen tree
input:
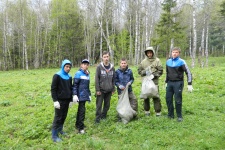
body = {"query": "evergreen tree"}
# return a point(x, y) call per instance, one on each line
point(168, 28)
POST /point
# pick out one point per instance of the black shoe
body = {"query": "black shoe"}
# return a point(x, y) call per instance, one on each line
point(170, 117)
point(103, 117)
point(97, 121)
point(179, 119)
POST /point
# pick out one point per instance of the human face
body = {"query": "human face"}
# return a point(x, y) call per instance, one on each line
point(67, 68)
point(105, 59)
point(175, 53)
point(123, 64)
point(84, 66)
point(149, 54)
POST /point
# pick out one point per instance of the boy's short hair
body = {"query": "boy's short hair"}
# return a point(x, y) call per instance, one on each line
point(123, 59)
point(105, 53)
point(176, 48)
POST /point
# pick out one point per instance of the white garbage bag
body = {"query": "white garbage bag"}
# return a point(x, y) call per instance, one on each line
point(123, 108)
point(148, 88)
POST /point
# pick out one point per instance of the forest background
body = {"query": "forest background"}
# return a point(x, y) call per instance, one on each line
point(41, 33)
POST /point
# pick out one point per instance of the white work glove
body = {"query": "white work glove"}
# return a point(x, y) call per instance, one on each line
point(190, 88)
point(71, 104)
point(121, 87)
point(165, 85)
point(129, 83)
point(57, 105)
point(148, 73)
point(90, 98)
point(75, 99)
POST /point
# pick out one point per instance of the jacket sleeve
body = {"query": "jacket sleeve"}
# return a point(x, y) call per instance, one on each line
point(159, 69)
point(188, 73)
point(141, 70)
point(54, 87)
point(76, 82)
point(114, 79)
point(166, 74)
point(97, 79)
point(117, 79)
point(131, 77)
point(89, 86)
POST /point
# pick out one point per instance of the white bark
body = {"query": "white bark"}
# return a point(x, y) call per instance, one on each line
point(194, 36)
point(206, 46)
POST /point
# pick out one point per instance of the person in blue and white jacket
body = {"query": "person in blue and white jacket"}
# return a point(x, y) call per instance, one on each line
point(175, 68)
point(81, 93)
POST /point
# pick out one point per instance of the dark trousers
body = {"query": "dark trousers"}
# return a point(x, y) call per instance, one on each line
point(157, 104)
point(80, 115)
point(60, 115)
point(101, 113)
point(174, 89)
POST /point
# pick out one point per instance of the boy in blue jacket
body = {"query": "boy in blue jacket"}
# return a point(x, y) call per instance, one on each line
point(81, 93)
point(124, 76)
point(61, 91)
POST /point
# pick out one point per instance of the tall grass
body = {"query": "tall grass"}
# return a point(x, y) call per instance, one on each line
point(27, 112)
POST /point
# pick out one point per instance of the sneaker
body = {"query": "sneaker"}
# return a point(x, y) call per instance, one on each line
point(170, 117)
point(179, 119)
point(81, 131)
point(97, 121)
point(147, 114)
point(158, 114)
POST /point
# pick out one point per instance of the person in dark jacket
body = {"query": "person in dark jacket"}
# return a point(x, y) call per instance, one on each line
point(175, 68)
point(124, 76)
point(81, 93)
point(61, 91)
point(104, 86)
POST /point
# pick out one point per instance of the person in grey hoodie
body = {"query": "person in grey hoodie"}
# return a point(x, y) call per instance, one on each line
point(104, 86)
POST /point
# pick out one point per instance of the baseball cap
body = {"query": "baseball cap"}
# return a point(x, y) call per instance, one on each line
point(85, 61)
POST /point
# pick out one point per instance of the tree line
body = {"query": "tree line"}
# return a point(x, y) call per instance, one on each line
point(41, 33)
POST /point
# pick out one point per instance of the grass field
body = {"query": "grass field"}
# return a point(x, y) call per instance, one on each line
point(27, 112)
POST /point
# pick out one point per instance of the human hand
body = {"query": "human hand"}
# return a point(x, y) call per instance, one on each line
point(190, 88)
point(98, 93)
point(143, 73)
point(57, 105)
point(121, 87)
point(90, 98)
point(129, 83)
point(75, 99)
point(148, 73)
point(71, 104)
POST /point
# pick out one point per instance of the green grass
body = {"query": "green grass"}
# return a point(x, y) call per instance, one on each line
point(26, 114)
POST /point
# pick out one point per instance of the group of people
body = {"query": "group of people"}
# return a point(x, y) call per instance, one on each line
point(66, 91)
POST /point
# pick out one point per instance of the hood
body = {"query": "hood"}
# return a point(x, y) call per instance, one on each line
point(150, 49)
point(111, 65)
point(62, 73)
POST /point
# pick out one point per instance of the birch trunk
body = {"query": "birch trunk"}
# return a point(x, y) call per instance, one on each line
point(24, 44)
point(5, 67)
point(206, 46)
point(194, 36)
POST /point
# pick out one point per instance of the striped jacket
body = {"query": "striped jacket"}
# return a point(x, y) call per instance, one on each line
point(175, 68)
